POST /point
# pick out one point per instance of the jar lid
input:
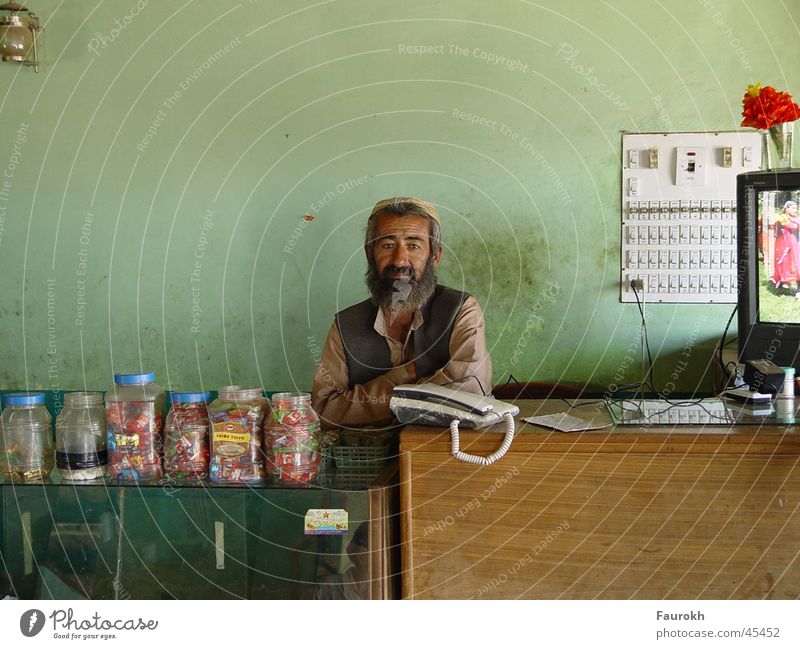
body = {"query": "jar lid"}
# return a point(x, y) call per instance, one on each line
point(23, 399)
point(134, 378)
point(190, 397)
point(292, 396)
point(237, 392)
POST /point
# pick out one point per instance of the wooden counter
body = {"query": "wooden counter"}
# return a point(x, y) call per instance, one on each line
point(627, 512)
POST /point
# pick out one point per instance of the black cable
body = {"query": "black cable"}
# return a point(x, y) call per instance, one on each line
point(470, 376)
point(722, 344)
point(645, 337)
point(581, 405)
point(651, 383)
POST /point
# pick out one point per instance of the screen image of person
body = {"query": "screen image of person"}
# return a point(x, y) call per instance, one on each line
point(779, 293)
point(411, 329)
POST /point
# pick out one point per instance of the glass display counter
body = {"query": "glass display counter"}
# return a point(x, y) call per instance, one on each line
point(195, 540)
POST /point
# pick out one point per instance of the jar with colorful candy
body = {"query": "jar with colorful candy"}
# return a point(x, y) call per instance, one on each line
point(134, 420)
point(292, 439)
point(186, 435)
point(26, 437)
point(237, 419)
point(81, 449)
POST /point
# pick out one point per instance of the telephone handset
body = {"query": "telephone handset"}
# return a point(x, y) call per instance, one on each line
point(434, 405)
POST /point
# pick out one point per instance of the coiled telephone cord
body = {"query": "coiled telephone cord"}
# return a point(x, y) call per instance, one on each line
point(455, 444)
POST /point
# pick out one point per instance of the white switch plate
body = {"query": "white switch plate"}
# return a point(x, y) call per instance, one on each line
point(689, 222)
point(690, 165)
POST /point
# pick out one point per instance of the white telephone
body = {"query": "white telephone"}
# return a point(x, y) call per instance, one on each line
point(433, 405)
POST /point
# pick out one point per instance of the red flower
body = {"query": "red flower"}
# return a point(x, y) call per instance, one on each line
point(765, 107)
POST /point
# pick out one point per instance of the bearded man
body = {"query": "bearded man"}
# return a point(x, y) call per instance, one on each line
point(411, 330)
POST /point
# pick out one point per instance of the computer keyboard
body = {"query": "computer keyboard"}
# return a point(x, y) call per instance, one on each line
point(657, 412)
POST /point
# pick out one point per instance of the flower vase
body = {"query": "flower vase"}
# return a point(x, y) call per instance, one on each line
point(778, 141)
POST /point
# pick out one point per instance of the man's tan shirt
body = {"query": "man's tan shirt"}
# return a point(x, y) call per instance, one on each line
point(367, 404)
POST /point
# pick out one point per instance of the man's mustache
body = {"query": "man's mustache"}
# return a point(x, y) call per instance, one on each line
point(394, 270)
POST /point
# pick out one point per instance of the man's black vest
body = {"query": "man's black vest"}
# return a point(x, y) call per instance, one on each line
point(367, 352)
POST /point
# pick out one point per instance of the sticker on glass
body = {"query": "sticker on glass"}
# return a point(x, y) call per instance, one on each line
point(326, 521)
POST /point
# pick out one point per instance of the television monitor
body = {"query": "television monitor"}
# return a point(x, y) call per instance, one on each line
point(768, 271)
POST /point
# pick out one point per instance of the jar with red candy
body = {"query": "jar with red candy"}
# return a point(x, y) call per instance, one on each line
point(237, 420)
point(292, 439)
point(186, 435)
point(134, 421)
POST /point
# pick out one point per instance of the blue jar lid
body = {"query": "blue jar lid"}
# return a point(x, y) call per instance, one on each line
point(23, 399)
point(190, 397)
point(134, 378)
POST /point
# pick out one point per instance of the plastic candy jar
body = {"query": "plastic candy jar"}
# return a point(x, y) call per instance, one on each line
point(237, 417)
point(26, 437)
point(186, 435)
point(81, 451)
point(292, 438)
point(134, 418)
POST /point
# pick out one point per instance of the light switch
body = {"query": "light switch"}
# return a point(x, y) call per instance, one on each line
point(633, 186)
point(673, 258)
point(727, 156)
point(633, 159)
point(747, 155)
point(690, 166)
point(727, 209)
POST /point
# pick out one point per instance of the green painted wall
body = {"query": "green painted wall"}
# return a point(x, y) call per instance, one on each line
point(192, 138)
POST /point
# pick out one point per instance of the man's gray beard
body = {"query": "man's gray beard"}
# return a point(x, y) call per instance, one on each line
point(401, 295)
